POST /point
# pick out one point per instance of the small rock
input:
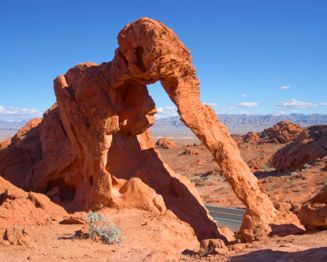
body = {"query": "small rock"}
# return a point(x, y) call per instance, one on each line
point(213, 246)
point(191, 151)
point(165, 143)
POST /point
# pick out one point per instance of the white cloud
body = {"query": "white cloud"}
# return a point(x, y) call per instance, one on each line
point(294, 103)
point(166, 111)
point(244, 95)
point(285, 87)
point(248, 104)
point(323, 104)
point(17, 114)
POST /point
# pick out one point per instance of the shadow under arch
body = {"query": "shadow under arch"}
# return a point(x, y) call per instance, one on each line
point(147, 165)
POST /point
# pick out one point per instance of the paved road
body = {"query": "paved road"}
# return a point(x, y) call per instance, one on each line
point(228, 217)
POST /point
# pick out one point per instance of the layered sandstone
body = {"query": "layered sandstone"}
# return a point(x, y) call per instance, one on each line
point(93, 148)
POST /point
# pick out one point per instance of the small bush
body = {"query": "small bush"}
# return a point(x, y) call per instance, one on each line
point(101, 227)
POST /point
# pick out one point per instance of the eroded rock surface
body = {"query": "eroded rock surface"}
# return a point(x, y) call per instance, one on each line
point(310, 145)
point(283, 132)
point(314, 212)
point(27, 208)
point(165, 143)
point(93, 147)
point(19, 210)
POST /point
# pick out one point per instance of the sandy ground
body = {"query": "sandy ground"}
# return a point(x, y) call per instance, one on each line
point(146, 237)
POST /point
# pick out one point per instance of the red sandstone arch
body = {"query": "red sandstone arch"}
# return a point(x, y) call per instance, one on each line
point(94, 149)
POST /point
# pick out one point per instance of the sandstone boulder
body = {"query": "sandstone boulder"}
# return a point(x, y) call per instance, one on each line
point(165, 143)
point(310, 145)
point(283, 132)
point(26, 208)
point(314, 212)
point(251, 137)
point(19, 210)
point(213, 246)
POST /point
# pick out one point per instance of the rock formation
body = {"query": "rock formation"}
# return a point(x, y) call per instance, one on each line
point(251, 137)
point(19, 209)
point(93, 147)
point(310, 145)
point(314, 212)
point(165, 143)
point(28, 208)
point(283, 132)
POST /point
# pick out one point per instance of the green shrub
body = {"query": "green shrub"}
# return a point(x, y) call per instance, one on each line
point(101, 227)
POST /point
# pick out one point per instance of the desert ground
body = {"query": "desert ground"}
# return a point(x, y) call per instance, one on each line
point(291, 188)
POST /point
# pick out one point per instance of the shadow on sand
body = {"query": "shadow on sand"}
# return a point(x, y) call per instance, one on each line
point(269, 255)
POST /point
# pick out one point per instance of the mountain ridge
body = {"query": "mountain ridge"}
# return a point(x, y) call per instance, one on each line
point(236, 123)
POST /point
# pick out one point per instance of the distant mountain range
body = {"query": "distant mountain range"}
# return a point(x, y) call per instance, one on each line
point(237, 124)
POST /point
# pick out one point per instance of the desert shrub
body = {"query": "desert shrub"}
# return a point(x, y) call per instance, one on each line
point(306, 166)
point(101, 227)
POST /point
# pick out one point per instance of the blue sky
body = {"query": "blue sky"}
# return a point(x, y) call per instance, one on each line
point(251, 56)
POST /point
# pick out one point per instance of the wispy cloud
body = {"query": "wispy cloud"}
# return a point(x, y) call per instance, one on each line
point(17, 114)
point(285, 87)
point(244, 95)
point(166, 111)
point(248, 104)
point(294, 103)
point(323, 104)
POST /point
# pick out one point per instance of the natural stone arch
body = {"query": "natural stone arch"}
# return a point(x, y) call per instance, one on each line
point(152, 52)
point(93, 148)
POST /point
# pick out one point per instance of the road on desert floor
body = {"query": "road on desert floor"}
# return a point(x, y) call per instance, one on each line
point(226, 216)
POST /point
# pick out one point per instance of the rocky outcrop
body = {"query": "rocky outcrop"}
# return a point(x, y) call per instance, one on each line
point(283, 132)
point(310, 145)
point(251, 137)
point(314, 212)
point(165, 143)
point(93, 148)
point(18, 207)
